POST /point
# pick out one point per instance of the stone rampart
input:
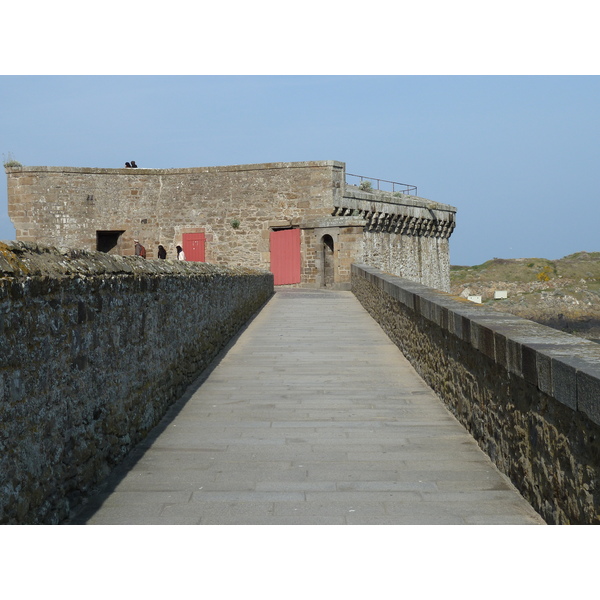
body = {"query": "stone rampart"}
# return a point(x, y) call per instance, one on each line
point(404, 235)
point(234, 215)
point(529, 394)
point(68, 206)
point(95, 348)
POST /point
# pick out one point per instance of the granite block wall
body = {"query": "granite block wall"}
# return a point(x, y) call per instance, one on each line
point(68, 205)
point(235, 209)
point(95, 348)
point(529, 394)
point(407, 236)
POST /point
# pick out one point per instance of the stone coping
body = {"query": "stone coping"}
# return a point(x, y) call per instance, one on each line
point(30, 259)
point(558, 364)
point(176, 171)
point(381, 201)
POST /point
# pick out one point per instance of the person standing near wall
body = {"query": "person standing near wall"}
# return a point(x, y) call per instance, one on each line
point(162, 253)
point(139, 249)
point(180, 253)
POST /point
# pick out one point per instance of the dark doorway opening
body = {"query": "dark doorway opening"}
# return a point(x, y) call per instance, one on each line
point(108, 241)
point(328, 266)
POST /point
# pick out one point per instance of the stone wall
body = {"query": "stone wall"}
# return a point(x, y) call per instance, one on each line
point(407, 236)
point(346, 235)
point(67, 206)
point(95, 348)
point(418, 258)
point(529, 394)
point(106, 209)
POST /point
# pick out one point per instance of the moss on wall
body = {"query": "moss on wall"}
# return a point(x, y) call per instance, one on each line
point(95, 350)
point(528, 394)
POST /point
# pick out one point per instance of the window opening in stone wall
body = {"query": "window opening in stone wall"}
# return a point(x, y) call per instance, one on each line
point(328, 262)
point(108, 241)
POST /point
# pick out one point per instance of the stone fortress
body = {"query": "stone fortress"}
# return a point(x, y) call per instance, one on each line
point(78, 313)
point(94, 348)
point(302, 221)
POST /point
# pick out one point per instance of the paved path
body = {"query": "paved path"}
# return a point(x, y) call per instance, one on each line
point(312, 417)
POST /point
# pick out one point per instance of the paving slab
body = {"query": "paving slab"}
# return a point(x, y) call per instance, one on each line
point(312, 416)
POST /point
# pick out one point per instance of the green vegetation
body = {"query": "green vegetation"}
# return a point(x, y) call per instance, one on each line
point(365, 186)
point(235, 223)
point(544, 274)
point(9, 161)
point(525, 270)
point(581, 265)
point(563, 293)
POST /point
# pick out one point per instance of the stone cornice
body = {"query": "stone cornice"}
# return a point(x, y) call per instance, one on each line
point(177, 171)
point(405, 215)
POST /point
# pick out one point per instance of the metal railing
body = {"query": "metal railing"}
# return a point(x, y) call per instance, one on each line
point(389, 186)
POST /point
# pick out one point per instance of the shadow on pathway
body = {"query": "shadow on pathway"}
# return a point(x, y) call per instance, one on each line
point(312, 416)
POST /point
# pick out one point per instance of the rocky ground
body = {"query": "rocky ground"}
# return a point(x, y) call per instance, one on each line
point(563, 293)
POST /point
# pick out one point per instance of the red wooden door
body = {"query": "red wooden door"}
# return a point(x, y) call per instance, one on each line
point(285, 256)
point(193, 246)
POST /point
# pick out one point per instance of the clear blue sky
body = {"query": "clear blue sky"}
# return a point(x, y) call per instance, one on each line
point(516, 155)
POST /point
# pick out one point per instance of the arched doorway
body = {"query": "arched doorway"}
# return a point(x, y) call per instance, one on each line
point(328, 262)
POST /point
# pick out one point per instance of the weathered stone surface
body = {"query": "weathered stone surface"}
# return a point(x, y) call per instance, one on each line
point(94, 350)
point(84, 207)
point(404, 235)
point(533, 404)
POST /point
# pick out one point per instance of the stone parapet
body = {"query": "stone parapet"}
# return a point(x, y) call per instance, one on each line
point(106, 209)
point(529, 394)
point(354, 193)
point(226, 215)
point(402, 234)
point(142, 171)
point(95, 348)
point(402, 214)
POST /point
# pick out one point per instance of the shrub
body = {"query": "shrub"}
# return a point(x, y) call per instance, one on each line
point(544, 274)
point(9, 161)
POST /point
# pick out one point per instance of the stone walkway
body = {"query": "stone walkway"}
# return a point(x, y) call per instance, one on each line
point(312, 417)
